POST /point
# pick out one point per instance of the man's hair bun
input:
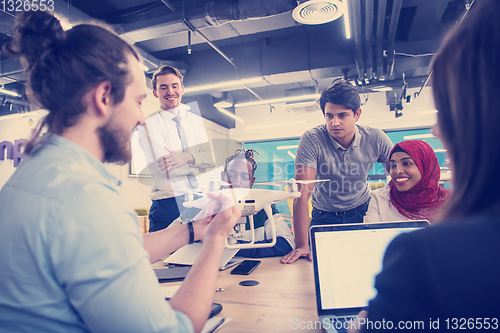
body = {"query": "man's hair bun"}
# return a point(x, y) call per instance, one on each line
point(36, 33)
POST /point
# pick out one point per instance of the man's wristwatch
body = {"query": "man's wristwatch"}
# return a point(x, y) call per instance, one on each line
point(191, 232)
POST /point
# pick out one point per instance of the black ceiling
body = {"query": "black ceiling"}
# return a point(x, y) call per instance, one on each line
point(260, 38)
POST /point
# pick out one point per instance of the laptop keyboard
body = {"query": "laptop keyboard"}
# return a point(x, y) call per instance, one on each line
point(341, 323)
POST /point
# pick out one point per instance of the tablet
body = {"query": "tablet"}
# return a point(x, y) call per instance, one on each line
point(171, 274)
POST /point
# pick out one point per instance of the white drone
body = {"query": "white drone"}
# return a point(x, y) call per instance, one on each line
point(250, 201)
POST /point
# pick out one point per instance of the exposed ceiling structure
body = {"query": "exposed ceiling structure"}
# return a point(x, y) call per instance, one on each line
point(214, 41)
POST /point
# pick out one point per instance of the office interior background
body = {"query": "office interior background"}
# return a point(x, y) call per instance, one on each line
point(254, 69)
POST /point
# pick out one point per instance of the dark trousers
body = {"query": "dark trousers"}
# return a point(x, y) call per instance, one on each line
point(354, 215)
point(164, 211)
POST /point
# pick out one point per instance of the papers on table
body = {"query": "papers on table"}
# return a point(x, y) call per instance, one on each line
point(187, 255)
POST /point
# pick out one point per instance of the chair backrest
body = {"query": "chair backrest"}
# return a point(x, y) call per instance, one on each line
point(376, 185)
point(143, 218)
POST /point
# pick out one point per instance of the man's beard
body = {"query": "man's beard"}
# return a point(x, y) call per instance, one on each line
point(115, 143)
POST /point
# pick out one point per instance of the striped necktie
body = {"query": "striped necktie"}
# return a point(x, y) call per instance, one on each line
point(185, 149)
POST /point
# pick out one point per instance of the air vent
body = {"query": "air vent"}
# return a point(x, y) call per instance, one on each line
point(318, 11)
point(302, 107)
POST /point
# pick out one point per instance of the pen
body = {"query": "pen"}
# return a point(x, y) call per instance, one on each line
point(219, 289)
point(218, 325)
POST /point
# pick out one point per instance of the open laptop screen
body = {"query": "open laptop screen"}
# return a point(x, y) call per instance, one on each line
point(347, 258)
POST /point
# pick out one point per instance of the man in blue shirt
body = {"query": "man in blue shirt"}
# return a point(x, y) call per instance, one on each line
point(72, 256)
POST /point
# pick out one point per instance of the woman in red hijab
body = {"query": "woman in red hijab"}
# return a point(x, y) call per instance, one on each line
point(413, 192)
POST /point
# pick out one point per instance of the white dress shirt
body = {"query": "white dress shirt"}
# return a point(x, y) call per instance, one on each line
point(163, 135)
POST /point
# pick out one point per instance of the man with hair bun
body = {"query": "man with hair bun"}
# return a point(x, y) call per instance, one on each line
point(72, 256)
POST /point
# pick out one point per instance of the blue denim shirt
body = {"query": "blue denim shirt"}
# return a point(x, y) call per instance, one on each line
point(71, 250)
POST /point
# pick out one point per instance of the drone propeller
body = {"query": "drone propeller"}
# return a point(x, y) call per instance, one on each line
point(292, 181)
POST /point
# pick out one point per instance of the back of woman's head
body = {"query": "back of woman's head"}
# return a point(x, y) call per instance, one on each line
point(63, 66)
point(465, 88)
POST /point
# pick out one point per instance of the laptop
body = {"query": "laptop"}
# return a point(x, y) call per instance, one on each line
point(188, 254)
point(346, 259)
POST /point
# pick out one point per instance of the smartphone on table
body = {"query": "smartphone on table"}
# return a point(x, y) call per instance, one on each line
point(246, 267)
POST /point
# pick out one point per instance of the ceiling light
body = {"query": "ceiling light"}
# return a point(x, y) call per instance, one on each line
point(223, 104)
point(294, 105)
point(427, 112)
point(227, 113)
point(381, 88)
point(23, 115)
point(274, 125)
point(8, 92)
point(318, 11)
point(277, 100)
point(224, 84)
point(291, 154)
point(418, 136)
point(287, 147)
point(144, 67)
point(347, 23)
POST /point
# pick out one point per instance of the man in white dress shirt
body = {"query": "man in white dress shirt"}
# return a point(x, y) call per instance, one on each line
point(176, 148)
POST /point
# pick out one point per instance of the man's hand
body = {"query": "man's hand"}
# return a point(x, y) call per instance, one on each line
point(296, 254)
point(357, 328)
point(218, 217)
point(174, 160)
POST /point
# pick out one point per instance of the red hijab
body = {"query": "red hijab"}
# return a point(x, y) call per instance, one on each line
point(422, 201)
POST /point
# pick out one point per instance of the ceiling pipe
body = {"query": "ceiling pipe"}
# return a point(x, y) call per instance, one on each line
point(193, 29)
point(11, 70)
point(468, 6)
point(369, 13)
point(210, 15)
point(396, 10)
point(358, 38)
point(169, 5)
point(379, 51)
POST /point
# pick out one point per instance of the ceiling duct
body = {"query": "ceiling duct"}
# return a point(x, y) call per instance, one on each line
point(355, 9)
point(369, 53)
point(302, 106)
point(302, 91)
point(368, 39)
point(212, 14)
point(396, 10)
point(379, 51)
